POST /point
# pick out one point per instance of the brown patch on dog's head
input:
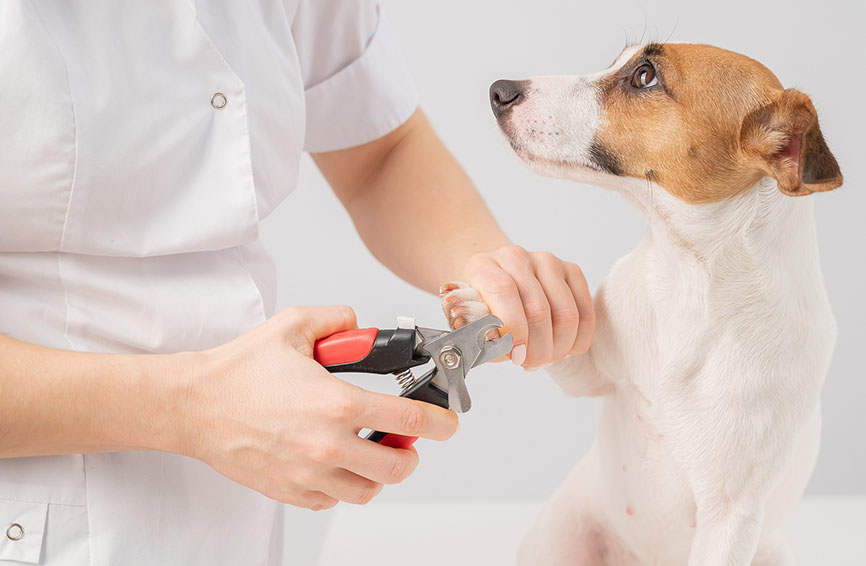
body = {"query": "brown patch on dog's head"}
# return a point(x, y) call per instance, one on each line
point(706, 124)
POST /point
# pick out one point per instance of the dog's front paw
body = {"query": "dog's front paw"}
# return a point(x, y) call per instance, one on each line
point(461, 304)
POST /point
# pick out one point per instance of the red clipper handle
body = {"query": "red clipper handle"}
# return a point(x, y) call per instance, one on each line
point(348, 347)
point(397, 441)
point(345, 347)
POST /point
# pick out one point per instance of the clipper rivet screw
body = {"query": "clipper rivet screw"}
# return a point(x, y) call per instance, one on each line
point(450, 357)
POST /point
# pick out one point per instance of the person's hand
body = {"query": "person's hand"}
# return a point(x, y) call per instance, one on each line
point(261, 412)
point(544, 302)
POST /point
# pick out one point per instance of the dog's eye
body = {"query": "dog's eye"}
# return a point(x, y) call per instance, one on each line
point(644, 76)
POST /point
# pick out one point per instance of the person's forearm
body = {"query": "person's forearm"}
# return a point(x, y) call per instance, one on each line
point(419, 214)
point(259, 410)
point(59, 402)
point(416, 209)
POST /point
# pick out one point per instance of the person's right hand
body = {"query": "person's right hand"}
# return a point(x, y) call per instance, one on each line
point(261, 412)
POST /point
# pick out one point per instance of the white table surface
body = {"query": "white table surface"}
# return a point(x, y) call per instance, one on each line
point(825, 531)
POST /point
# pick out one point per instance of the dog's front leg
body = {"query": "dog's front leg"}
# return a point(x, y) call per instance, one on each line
point(579, 377)
point(576, 374)
point(726, 534)
point(732, 459)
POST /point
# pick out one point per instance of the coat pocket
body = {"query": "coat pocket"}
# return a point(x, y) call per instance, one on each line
point(22, 528)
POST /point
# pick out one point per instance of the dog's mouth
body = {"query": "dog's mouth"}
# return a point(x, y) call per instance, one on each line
point(533, 159)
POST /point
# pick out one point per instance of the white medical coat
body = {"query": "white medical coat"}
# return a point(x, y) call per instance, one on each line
point(140, 145)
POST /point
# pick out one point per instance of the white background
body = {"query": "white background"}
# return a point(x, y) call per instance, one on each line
point(522, 435)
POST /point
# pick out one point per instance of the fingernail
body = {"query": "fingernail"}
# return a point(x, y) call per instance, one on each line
point(518, 354)
point(531, 368)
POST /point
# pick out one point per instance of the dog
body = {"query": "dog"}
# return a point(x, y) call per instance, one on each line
point(713, 337)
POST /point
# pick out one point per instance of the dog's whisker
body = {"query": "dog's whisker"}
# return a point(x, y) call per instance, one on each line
point(645, 21)
point(670, 35)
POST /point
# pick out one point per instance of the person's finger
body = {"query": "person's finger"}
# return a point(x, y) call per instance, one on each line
point(315, 500)
point(586, 313)
point(349, 487)
point(563, 306)
point(379, 463)
point(398, 415)
point(499, 292)
point(536, 308)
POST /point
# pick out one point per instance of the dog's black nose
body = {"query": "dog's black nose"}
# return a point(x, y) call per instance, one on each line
point(504, 94)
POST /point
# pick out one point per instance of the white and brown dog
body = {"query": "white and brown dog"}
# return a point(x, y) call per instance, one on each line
point(714, 335)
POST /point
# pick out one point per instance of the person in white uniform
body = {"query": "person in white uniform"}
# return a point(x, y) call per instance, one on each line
point(153, 407)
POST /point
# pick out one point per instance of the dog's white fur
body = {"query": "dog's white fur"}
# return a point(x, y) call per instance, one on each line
point(712, 342)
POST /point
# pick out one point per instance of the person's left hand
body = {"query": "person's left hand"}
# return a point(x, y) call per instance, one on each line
point(543, 301)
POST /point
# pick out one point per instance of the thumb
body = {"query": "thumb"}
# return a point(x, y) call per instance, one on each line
point(324, 321)
point(309, 324)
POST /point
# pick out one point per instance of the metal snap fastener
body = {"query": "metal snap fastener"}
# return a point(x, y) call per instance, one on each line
point(14, 531)
point(218, 100)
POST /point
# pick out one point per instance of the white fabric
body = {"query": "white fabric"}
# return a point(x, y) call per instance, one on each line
point(129, 211)
point(22, 526)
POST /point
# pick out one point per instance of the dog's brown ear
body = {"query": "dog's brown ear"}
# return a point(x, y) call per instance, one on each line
point(785, 142)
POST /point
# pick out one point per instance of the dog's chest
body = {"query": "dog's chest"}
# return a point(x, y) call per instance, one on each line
point(668, 325)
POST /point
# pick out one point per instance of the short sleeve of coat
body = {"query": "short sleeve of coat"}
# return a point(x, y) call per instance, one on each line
point(356, 84)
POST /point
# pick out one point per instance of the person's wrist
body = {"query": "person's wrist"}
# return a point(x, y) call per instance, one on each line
point(167, 410)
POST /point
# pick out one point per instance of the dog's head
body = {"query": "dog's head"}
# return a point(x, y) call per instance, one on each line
point(701, 122)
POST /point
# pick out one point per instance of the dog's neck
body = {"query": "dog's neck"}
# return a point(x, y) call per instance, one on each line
point(760, 224)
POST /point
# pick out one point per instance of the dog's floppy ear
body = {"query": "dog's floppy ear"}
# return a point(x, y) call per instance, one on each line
point(785, 142)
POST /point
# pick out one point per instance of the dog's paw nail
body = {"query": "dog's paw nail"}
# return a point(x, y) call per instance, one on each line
point(451, 286)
